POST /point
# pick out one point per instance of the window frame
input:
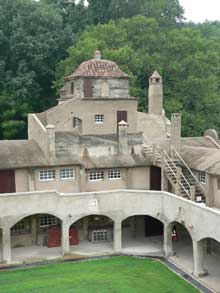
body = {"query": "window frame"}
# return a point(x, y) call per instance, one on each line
point(114, 174)
point(99, 118)
point(43, 177)
point(94, 173)
point(52, 221)
point(202, 177)
point(67, 170)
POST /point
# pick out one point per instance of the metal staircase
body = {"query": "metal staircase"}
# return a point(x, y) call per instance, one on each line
point(182, 179)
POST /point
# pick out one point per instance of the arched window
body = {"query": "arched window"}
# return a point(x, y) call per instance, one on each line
point(105, 89)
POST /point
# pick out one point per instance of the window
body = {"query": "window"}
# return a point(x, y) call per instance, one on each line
point(19, 227)
point(76, 122)
point(48, 220)
point(72, 88)
point(114, 174)
point(96, 175)
point(67, 173)
point(202, 177)
point(99, 118)
point(47, 175)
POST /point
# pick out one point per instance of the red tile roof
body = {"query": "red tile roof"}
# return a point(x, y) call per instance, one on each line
point(98, 68)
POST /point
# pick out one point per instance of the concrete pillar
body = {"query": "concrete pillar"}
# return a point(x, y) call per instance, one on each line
point(123, 137)
point(6, 245)
point(175, 136)
point(65, 238)
point(167, 241)
point(193, 193)
point(117, 236)
point(198, 255)
point(34, 229)
point(85, 228)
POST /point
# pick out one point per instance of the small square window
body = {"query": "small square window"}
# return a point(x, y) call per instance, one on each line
point(202, 177)
point(96, 175)
point(67, 173)
point(114, 174)
point(99, 118)
point(47, 175)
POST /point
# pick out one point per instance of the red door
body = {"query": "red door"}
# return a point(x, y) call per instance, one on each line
point(74, 239)
point(54, 237)
point(7, 181)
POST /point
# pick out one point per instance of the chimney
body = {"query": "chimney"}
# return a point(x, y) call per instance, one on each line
point(123, 137)
point(97, 55)
point(175, 136)
point(155, 94)
point(51, 140)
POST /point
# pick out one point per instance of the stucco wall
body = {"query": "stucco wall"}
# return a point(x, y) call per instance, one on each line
point(86, 110)
point(201, 222)
point(21, 180)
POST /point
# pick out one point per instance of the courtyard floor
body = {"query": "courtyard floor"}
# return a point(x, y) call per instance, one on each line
point(116, 274)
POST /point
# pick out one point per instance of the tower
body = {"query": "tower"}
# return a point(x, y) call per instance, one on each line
point(155, 94)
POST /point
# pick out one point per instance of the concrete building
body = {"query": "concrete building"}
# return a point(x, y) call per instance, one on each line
point(97, 176)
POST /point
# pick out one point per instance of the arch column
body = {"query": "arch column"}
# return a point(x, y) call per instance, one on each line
point(117, 236)
point(198, 255)
point(65, 238)
point(168, 243)
point(6, 245)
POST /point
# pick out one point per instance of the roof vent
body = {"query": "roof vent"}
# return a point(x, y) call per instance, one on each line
point(97, 55)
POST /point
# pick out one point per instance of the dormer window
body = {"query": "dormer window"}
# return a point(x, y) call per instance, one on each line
point(88, 92)
point(72, 88)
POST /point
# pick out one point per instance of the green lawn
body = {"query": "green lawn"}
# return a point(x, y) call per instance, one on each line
point(117, 274)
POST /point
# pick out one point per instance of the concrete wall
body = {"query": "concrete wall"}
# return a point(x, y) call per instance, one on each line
point(37, 131)
point(201, 222)
point(62, 117)
point(21, 180)
point(118, 87)
point(132, 178)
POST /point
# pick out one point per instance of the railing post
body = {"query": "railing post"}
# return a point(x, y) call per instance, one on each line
point(178, 179)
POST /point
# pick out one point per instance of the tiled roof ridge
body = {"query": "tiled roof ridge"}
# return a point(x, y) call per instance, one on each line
point(98, 68)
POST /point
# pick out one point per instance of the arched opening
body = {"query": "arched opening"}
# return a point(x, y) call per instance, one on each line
point(211, 262)
point(142, 233)
point(36, 237)
point(182, 246)
point(92, 234)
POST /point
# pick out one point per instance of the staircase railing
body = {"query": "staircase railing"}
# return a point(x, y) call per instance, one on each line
point(174, 151)
point(182, 177)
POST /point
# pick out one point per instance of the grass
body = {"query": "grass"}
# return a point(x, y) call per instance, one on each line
point(116, 274)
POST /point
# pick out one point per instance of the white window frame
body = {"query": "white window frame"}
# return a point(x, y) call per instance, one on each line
point(114, 174)
point(47, 175)
point(99, 119)
point(47, 220)
point(202, 177)
point(96, 175)
point(67, 173)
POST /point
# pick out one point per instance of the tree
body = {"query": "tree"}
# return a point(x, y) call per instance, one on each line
point(190, 70)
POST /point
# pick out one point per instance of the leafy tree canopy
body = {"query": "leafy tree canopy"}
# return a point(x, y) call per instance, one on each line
point(187, 59)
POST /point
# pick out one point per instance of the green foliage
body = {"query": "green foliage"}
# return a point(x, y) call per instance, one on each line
point(186, 57)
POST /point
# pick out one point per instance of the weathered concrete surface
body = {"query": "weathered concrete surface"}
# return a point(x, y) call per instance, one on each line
point(117, 204)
